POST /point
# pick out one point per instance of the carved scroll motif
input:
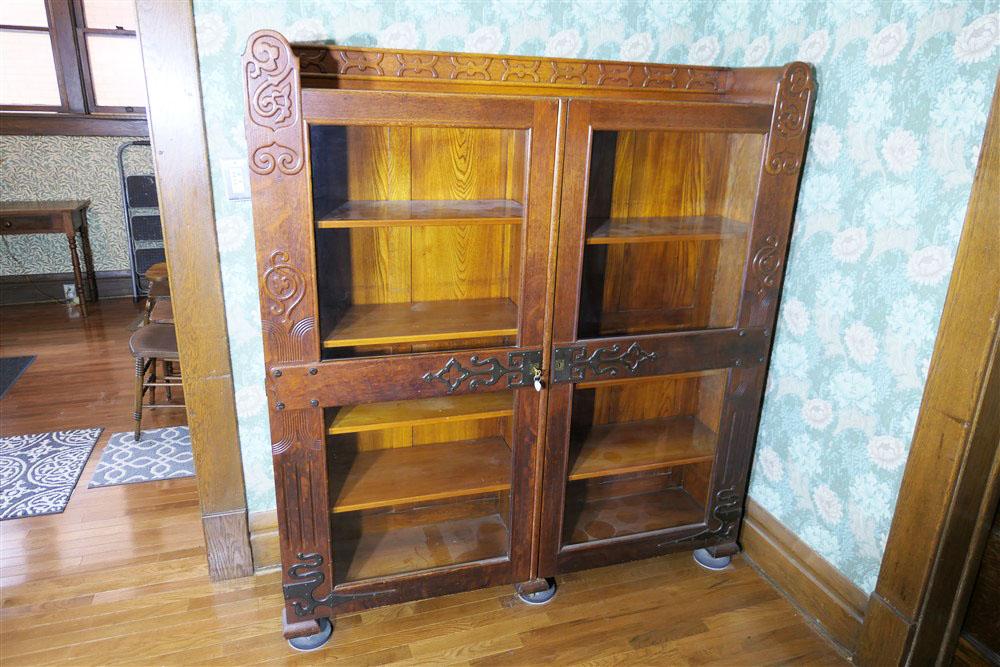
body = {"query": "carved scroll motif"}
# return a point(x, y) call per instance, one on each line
point(272, 90)
point(361, 62)
point(411, 65)
point(788, 126)
point(765, 265)
point(467, 67)
point(284, 286)
point(520, 70)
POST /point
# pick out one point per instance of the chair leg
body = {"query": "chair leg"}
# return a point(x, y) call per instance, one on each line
point(137, 409)
point(152, 379)
point(168, 369)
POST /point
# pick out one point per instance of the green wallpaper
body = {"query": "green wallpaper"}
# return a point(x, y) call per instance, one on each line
point(67, 168)
point(903, 92)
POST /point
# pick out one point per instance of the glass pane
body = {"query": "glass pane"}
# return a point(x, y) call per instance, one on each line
point(24, 12)
point(417, 237)
point(419, 484)
point(28, 75)
point(110, 14)
point(641, 454)
point(116, 71)
point(668, 220)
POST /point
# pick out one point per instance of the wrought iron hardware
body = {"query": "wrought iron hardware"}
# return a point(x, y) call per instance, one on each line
point(308, 578)
point(571, 364)
point(520, 371)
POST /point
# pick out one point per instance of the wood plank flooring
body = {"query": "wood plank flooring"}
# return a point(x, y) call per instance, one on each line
point(120, 576)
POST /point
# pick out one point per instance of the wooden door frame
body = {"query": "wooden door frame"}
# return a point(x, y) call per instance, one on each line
point(950, 486)
point(180, 156)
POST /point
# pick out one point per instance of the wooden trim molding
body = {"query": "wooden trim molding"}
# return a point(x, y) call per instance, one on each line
point(180, 152)
point(949, 483)
point(828, 599)
point(73, 125)
point(43, 287)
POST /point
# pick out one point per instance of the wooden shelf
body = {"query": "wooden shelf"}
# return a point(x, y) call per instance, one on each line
point(604, 518)
point(420, 547)
point(651, 230)
point(374, 324)
point(405, 475)
point(357, 213)
point(377, 416)
point(652, 444)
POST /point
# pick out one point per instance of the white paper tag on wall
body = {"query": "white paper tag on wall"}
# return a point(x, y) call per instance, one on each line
point(237, 178)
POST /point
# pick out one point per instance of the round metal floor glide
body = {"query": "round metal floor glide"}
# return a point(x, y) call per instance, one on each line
point(709, 562)
point(313, 642)
point(541, 597)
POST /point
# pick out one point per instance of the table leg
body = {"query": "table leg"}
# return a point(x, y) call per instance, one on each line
point(77, 277)
point(88, 257)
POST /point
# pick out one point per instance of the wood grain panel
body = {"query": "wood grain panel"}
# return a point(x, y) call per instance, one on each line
point(377, 416)
point(180, 159)
point(387, 477)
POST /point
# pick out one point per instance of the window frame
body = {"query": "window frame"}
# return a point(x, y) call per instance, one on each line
point(79, 113)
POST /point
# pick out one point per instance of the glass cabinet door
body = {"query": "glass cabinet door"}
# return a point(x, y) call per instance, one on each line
point(666, 229)
point(661, 198)
point(431, 238)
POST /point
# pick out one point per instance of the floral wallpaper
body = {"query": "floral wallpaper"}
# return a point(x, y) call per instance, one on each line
point(52, 167)
point(904, 88)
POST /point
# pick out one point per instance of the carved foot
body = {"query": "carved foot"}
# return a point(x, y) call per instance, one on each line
point(710, 562)
point(536, 591)
point(313, 641)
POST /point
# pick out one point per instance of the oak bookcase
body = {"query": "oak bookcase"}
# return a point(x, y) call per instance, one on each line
point(517, 312)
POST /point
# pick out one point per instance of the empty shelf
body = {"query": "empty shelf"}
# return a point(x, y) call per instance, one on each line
point(425, 212)
point(374, 324)
point(649, 230)
point(423, 546)
point(651, 444)
point(386, 477)
point(604, 518)
point(376, 416)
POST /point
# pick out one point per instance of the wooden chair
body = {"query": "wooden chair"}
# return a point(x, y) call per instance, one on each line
point(150, 344)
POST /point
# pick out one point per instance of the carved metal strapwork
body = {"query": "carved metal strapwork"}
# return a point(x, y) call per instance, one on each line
point(572, 364)
point(308, 577)
point(520, 371)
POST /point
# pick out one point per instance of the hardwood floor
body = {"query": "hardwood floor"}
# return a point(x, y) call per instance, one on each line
point(120, 577)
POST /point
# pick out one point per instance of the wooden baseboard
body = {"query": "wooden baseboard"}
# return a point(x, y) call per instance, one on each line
point(264, 542)
point(226, 544)
point(830, 601)
point(43, 287)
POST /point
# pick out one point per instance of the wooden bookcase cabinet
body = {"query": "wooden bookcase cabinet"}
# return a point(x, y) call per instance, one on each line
point(517, 312)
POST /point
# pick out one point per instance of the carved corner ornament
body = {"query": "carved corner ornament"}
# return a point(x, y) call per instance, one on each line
point(794, 98)
point(274, 110)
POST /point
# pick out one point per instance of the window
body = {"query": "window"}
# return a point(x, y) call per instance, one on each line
point(71, 67)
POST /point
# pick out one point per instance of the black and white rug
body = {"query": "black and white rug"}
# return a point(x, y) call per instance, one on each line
point(161, 453)
point(38, 472)
point(10, 370)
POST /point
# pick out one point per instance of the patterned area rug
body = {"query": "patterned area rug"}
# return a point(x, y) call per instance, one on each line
point(39, 472)
point(161, 453)
point(10, 370)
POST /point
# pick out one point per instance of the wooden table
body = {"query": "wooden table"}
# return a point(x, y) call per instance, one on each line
point(56, 217)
